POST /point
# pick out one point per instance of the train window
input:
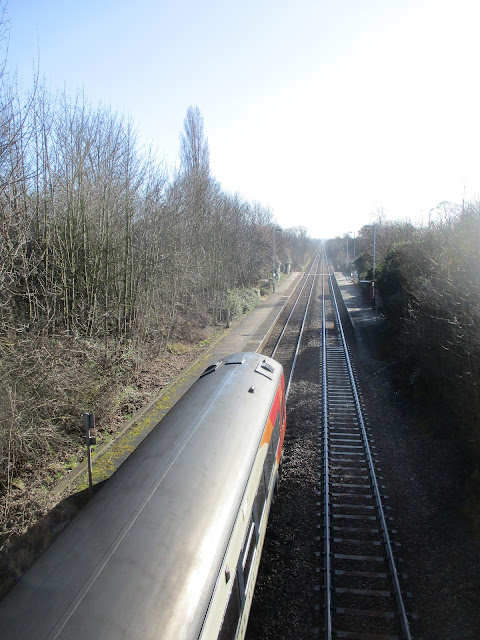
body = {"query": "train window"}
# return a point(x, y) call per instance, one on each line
point(259, 502)
point(269, 462)
point(276, 433)
point(248, 551)
point(232, 613)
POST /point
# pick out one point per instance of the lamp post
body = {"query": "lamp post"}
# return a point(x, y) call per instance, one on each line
point(348, 235)
point(374, 236)
point(374, 225)
point(273, 256)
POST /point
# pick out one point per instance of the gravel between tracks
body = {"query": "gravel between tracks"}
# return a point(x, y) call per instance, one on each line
point(423, 477)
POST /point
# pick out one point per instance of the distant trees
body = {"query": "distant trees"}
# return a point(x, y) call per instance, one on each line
point(427, 278)
point(297, 246)
point(99, 241)
point(440, 329)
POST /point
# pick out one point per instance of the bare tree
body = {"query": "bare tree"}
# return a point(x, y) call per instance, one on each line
point(194, 153)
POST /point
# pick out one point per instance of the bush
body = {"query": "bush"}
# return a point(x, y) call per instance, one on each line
point(430, 295)
point(241, 301)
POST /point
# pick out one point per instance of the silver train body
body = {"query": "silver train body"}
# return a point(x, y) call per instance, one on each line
point(169, 548)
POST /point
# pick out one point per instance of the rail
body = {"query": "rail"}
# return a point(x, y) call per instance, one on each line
point(289, 359)
point(351, 578)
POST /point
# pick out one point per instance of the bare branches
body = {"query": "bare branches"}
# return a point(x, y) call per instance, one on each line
point(101, 250)
point(194, 153)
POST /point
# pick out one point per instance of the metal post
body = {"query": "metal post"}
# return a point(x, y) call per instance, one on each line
point(348, 260)
point(273, 269)
point(374, 242)
point(89, 422)
point(374, 238)
point(373, 270)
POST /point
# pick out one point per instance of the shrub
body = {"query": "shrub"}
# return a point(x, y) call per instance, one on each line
point(241, 301)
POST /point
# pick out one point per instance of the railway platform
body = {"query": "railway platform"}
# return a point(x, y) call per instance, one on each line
point(367, 322)
point(249, 333)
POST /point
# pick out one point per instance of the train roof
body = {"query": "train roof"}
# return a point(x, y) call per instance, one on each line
point(141, 560)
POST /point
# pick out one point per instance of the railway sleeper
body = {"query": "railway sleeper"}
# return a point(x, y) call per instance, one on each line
point(365, 587)
point(373, 613)
point(361, 574)
point(371, 593)
point(373, 543)
point(356, 635)
point(367, 624)
point(366, 532)
point(347, 494)
point(353, 485)
point(334, 447)
point(363, 530)
point(344, 427)
point(344, 516)
point(341, 505)
point(359, 558)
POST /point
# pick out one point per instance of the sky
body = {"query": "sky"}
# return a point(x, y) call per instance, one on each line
point(326, 111)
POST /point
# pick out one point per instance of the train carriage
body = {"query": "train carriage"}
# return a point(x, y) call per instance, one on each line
point(169, 548)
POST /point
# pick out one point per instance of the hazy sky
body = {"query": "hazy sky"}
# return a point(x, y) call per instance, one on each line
point(324, 110)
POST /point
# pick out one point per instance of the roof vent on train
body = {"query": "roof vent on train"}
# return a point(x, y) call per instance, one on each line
point(237, 359)
point(211, 368)
point(265, 369)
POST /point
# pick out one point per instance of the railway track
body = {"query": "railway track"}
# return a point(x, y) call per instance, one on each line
point(351, 563)
point(362, 595)
point(285, 341)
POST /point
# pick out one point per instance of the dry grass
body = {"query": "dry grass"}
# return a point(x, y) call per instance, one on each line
point(49, 384)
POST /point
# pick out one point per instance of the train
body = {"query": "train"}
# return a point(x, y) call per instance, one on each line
point(169, 548)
